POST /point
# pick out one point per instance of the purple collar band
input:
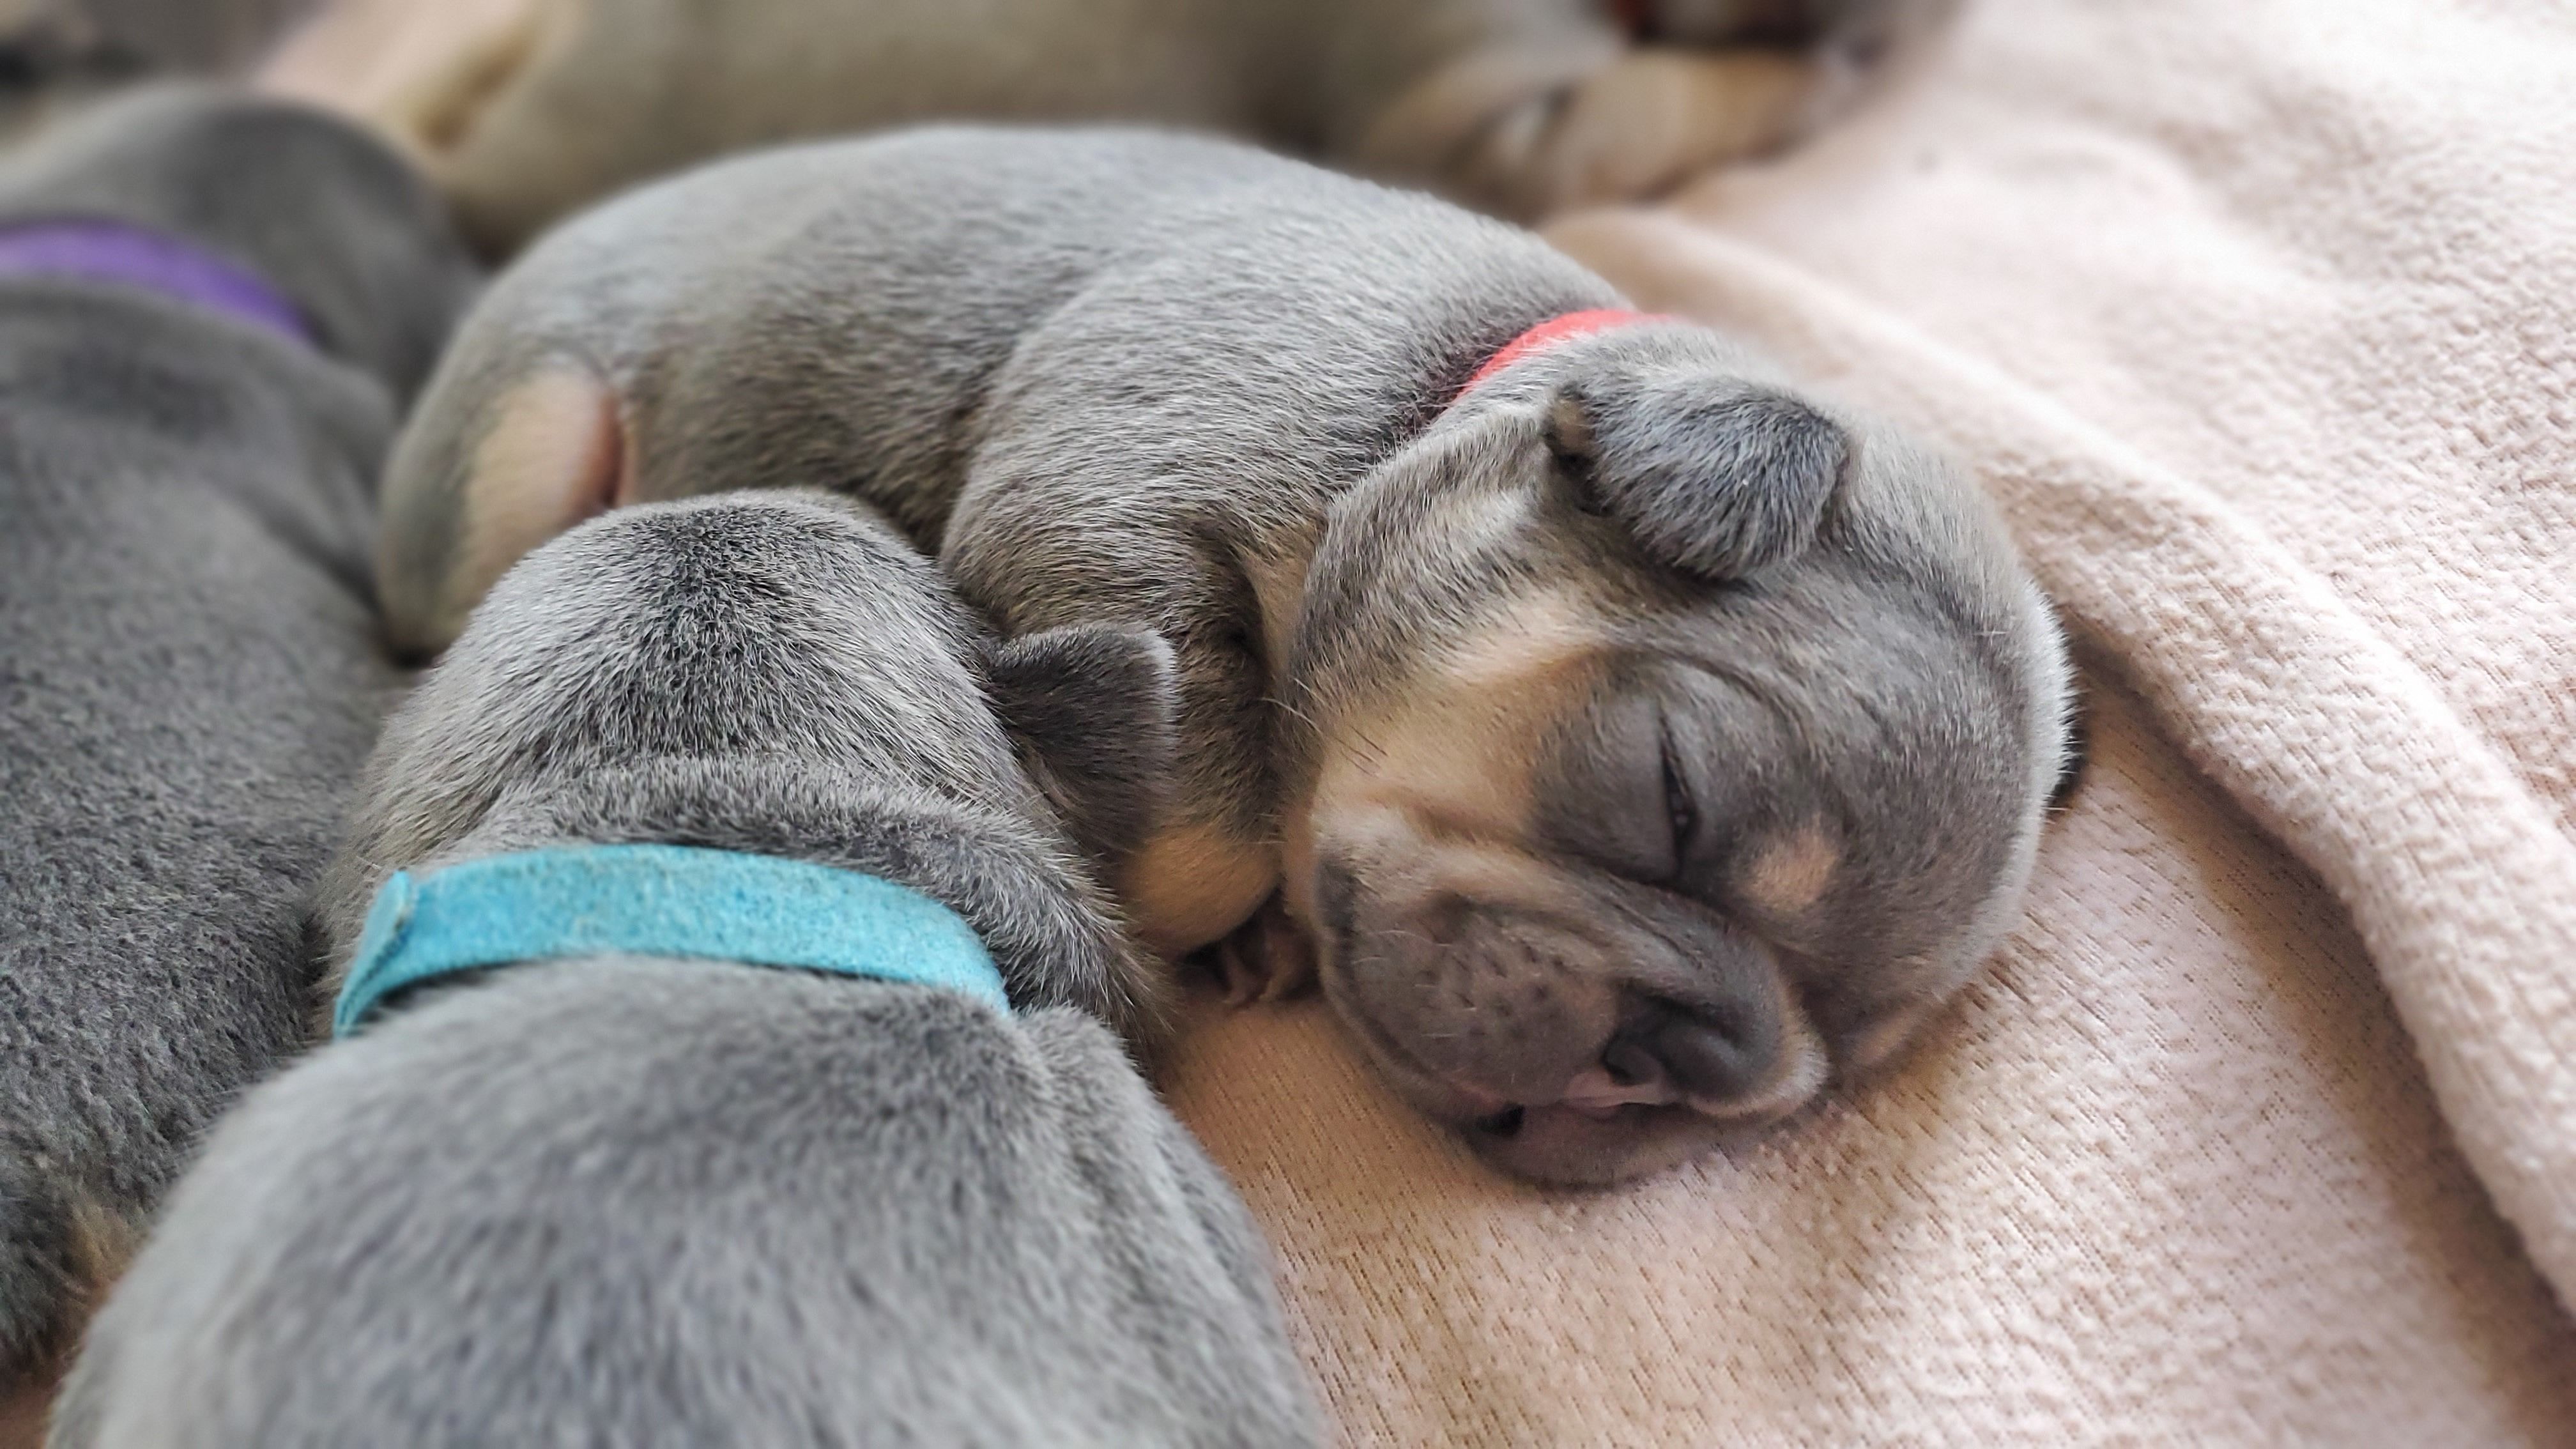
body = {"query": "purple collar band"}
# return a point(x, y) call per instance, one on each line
point(121, 252)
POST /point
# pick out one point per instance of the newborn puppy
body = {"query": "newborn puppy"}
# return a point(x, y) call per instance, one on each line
point(528, 109)
point(209, 309)
point(593, 1169)
point(1634, 737)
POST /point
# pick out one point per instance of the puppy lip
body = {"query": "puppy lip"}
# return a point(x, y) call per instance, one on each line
point(1465, 1106)
point(1477, 1109)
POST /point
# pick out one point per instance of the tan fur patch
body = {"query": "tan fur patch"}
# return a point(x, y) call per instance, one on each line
point(1793, 872)
point(1193, 884)
point(1454, 752)
point(554, 455)
point(1880, 1043)
point(419, 74)
point(103, 1244)
point(26, 1404)
point(1657, 116)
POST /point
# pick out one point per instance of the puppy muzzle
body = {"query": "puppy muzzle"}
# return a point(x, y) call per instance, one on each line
point(1574, 1047)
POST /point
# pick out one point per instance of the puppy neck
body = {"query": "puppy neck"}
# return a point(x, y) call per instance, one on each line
point(1275, 570)
point(141, 259)
point(1054, 935)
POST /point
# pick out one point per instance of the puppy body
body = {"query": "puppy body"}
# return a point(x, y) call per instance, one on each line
point(651, 1201)
point(188, 672)
point(1634, 736)
point(1521, 105)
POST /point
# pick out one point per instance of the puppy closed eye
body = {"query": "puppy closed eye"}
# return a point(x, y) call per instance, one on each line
point(1680, 810)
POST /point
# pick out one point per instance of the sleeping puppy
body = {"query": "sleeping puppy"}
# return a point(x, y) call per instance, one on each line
point(528, 109)
point(209, 310)
point(589, 1167)
point(1633, 737)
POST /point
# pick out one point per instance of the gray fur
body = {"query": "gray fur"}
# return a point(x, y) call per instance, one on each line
point(1065, 692)
point(1517, 105)
point(58, 56)
point(196, 36)
point(648, 1202)
point(321, 209)
point(188, 674)
point(1720, 483)
point(1132, 380)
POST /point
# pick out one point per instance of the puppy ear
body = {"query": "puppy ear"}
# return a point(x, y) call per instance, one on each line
point(2079, 749)
point(459, 511)
point(1715, 476)
point(1096, 708)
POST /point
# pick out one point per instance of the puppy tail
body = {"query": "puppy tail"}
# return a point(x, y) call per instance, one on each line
point(59, 1250)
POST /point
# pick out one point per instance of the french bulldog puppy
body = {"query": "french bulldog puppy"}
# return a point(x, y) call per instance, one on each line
point(642, 1195)
point(529, 109)
point(210, 308)
point(1634, 737)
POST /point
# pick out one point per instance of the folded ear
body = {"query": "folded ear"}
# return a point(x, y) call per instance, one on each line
point(471, 492)
point(1095, 707)
point(1712, 475)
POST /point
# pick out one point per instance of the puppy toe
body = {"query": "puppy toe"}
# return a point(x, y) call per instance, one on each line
point(1266, 959)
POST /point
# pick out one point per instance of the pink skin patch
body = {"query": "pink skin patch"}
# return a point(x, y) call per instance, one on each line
point(1595, 1093)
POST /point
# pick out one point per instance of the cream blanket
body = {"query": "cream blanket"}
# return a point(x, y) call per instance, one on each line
point(2259, 318)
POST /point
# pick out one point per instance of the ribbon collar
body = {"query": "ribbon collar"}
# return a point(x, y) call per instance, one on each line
point(658, 900)
point(128, 255)
point(1550, 333)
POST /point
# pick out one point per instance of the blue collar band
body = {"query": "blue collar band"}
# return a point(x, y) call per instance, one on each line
point(658, 900)
point(134, 256)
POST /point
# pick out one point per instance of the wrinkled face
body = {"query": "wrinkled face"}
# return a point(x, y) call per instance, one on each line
point(1606, 860)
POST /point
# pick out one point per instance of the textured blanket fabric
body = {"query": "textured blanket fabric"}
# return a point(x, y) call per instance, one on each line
point(2259, 319)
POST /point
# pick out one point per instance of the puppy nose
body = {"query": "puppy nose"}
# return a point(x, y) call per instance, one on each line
point(1706, 1055)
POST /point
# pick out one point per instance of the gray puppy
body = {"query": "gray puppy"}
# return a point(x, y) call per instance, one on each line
point(633, 1199)
point(1635, 737)
point(209, 309)
point(528, 111)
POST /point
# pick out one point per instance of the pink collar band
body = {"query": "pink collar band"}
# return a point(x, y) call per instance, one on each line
point(1549, 333)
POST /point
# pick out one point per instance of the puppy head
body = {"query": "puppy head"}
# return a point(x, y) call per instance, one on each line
point(322, 211)
point(1670, 743)
point(781, 673)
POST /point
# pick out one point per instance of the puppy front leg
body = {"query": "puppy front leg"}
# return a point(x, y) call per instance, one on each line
point(1268, 958)
point(1194, 883)
point(1637, 127)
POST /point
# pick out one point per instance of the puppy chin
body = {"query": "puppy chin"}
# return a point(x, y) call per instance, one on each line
point(1562, 1144)
point(1569, 1146)
point(1566, 1146)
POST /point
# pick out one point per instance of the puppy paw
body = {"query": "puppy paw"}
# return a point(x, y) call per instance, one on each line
point(417, 74)
point(1644, 124)
point(1268, 958)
